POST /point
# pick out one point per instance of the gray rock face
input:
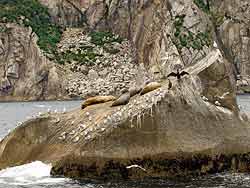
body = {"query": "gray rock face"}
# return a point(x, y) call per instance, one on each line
point(233, 27)
point(25, 74)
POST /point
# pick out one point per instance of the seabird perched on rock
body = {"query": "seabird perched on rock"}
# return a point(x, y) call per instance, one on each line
point(215, 45)
point(123, 99)
point(217, 103)
point(178, 75)
point(64, 110)
point(204, 98)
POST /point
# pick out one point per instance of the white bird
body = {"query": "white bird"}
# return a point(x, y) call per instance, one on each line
point(204, 98)
point(136, 166)
point(217, 103)
point(64, 110)
point(215, 45)
point(76, 139)
point(225, 94)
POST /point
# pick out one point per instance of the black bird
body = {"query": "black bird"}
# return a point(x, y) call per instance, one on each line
point(169, 84)
point(178, 74)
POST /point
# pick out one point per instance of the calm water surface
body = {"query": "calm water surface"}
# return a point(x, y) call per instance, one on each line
point(36, 174)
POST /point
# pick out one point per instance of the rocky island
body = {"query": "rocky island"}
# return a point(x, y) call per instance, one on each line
point(187, 126)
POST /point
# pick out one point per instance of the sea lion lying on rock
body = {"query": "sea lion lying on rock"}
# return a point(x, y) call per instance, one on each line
point(150, 87)
point(97, 100)
point(134, 90)
point(123, 99)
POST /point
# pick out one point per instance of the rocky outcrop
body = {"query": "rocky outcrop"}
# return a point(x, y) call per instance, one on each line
point(165, 132)
point(97, 69)
point(25, 74)
point(66, 13)
point(232, 21)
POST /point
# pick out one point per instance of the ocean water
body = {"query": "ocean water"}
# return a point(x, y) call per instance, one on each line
point(37, 174)
point(11, 113)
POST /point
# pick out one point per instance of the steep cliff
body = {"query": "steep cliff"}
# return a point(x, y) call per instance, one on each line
point(152, 28)
point(25, 73)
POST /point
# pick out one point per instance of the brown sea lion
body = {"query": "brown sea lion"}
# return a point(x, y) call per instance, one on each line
point(123, 99)
point(150, 87)
point(97, 100)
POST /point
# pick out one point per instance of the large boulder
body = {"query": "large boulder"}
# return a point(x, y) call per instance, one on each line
point(160, 134)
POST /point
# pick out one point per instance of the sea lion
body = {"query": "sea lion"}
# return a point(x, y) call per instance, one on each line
point(134, 90)
point(97, 100)
point(150, 87)
point(123, 99)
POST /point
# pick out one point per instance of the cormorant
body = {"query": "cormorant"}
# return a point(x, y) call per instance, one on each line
point(169, 84)
point(178, 75)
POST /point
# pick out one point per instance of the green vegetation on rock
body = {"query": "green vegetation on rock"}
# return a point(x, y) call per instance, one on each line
point(86, 56)
point(203, 6)
point(101, 38)
point(184, 38)
point(31, 13)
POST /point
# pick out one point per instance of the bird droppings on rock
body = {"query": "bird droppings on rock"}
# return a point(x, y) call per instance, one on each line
point(72, 132)
point(76, 139)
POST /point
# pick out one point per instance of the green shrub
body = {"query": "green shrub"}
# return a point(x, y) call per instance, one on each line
point(203, 6)
point(101, 38)
point(184, 38)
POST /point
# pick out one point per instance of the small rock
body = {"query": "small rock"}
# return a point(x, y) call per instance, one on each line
point(84, 69)
point(76, 139)
point(93, 75)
